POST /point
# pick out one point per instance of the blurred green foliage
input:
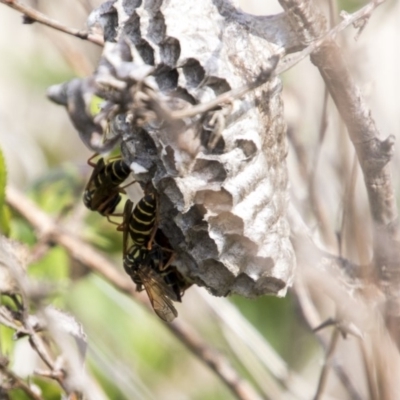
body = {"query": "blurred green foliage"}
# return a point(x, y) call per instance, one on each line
point(39, 73)
point(351, 5)
point(99, 232)
point(126, 330)
point(22, 231)
point(52, 266)
point(49, 390)
point(58, 191)
point(277, 320)
point(4, 210)
point(135, 342)
point(6, 339)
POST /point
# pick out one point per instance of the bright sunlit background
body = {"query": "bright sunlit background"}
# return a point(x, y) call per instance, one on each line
point(131, 354)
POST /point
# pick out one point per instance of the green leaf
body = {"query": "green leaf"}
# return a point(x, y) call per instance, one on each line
point(4, 210)
point(54, 266)
point(6, 340)
point(95, 105)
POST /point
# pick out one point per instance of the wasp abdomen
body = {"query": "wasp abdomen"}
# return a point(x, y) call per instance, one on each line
point(117, 171)
point(143, 219)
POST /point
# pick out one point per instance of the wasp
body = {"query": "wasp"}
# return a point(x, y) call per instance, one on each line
point(102, 192)
point(146, 262)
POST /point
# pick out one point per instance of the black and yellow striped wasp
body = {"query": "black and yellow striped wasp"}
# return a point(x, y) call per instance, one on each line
point(146, 262)
point(102, 192)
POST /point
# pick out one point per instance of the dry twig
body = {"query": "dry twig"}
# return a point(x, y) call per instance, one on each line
point(19, 383)
point(318, 207)
point(312, 318)
point(325, 369)
point(36, 16)
point(319, 39)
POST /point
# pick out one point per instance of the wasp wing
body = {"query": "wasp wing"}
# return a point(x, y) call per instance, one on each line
point(158, 293)
point(98, 188)
point(98, 169)
point(124, 227)
point(89, 196)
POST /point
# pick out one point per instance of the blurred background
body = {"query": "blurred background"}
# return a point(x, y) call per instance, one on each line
point(131, 354)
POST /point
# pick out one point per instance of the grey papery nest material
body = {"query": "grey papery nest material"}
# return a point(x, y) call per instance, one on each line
point(220, 175)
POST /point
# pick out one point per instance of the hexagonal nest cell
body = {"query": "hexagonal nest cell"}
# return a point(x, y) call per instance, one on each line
point(220, 175)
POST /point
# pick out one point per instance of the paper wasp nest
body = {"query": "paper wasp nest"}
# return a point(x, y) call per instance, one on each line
point(220, 175)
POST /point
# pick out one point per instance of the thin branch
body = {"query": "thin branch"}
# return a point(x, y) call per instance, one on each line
point(215, 360)
point(325, 369)
point(49, 374)
point(37, 344)
point(352, 231)
point(350, 19)
point(318, 207)
point(90, 257)
point(18, 382)
point(37, 16)
point(7, 320)
point(312, 318)
point(348, 200)
point(234, 322)
point(369, 367)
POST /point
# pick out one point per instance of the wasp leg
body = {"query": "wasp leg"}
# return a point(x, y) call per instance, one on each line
point(171, 258)
point(121, 189)
point(154, 230)
point(89, 161)
point(119, 226)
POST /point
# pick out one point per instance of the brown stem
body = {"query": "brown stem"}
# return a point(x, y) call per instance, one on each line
point(325, 369)
point(312, 318)
point(18, 382)
point(369, 367)
point(43, 19)
point(290, 6)
point(318, 207)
